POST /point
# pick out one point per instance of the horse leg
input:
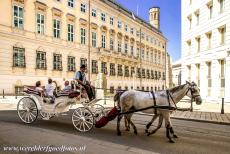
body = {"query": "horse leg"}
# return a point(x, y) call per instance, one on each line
point(132, 124)
point(168, 126)
point(127, 124)
point(158, 127)
point(150, 123)
point(172, 132)
point(118, 124)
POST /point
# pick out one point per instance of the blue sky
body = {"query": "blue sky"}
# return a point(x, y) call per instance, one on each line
point(170, 17)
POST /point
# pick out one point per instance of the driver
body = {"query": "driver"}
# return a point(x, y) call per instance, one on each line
point(81, 79)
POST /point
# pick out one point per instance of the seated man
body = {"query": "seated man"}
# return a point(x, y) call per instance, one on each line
point(81, 79)
point(49, 90)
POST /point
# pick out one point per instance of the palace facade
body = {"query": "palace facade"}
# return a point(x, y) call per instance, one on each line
point(53, 38)
point(206, 47)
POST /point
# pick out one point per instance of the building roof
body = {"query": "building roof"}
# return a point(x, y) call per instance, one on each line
point(130, 14)
point(177, 63)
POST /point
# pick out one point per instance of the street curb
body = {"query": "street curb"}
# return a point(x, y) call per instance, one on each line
point(200, 120)
point(188, 119)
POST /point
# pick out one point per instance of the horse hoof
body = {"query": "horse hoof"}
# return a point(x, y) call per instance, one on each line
point(119, 134)
point(175, 136)
point(148, 134)
point(171, 141)
point(127, 129)
point(147, 131)
point(135, 132)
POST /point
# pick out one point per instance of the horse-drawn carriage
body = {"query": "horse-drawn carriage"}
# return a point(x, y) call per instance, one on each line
point(83, 116)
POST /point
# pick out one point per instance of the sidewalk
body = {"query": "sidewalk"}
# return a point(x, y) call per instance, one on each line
point(207, 112)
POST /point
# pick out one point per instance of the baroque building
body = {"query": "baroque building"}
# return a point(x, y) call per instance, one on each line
point(41, 39)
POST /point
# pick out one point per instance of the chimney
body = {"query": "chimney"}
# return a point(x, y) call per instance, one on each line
point(154, 17)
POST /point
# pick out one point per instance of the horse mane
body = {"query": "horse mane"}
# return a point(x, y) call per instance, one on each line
point(174, 89)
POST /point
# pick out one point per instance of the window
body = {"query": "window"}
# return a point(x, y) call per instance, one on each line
point(131, 31)
point(190, 2)
point(189, 47)
point(197, 13)
point(198, 44)
point(94, 12)
point(156, 77)
point(83, 61)
point(111, 20)
point(152, 74)
point(119, 46)
point(126, 28)
point(119, 24)
point(18, 17)
point(147, 56)
point(57, 62)
point(131, 49)
point(94, 39)
point(210, 7)
point(56, 28)
point(71, 64)
point(190, 21)
point(126, 71)
point(222, 73)
point(82, 36)
point(221, 6)
point(137, 33)
point(222, 35)
point(111, 44)
point(103, 41)
point(83, 8)
point(151, 57)
point(132, 71)
point(143, 54)
point(120, 71)
point(138, 72)
point(41, 60)
point(70, 32)
point(104, 67)
point(138, 52)
point(40, 24)
point(209, 40)
point(147, 38)
point(19, 57)
point(102, 16)
point(112, 89)
point(70, 3)
point(94, 67)
point(126, 48)
point(143, 73)
point(112, 69)
point(142, 35)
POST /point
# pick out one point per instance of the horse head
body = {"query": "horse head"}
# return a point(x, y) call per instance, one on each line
point(194, 92)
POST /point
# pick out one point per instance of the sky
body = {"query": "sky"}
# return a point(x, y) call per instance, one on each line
point(170, 20)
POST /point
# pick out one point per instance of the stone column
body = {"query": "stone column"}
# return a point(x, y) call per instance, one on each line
point(215, 75)
point(227, 80)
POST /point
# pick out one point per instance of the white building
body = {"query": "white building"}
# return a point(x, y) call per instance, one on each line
point(176, 73)
point(206, 47)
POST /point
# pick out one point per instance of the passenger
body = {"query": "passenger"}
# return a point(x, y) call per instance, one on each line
point(67, 86)
point(39, 88)
point(49, 89)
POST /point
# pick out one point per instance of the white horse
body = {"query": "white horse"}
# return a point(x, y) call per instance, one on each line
point(165, 101)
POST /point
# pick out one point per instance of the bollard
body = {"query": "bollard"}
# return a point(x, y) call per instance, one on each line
point(16, 96)
point(222, 107)
point(191, 108)
point(3, 94)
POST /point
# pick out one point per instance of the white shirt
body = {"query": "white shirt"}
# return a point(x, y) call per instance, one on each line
point(49, 89)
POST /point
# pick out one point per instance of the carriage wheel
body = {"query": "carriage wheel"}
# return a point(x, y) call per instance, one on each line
point(83, 119)
point(98, 111)
point(27, 110)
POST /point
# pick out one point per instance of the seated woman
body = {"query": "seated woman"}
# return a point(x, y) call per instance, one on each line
point(39, 88)
point(67, 86)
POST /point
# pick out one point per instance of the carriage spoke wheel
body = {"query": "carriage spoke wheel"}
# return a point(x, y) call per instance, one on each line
point(98, 111)
point(27, 110)
point(83, 119)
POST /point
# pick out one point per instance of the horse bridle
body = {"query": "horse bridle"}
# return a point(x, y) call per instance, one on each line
point(192, 90)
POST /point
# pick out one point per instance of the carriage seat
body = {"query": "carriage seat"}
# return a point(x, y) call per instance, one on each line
point(69, 93)
point(31, 90)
